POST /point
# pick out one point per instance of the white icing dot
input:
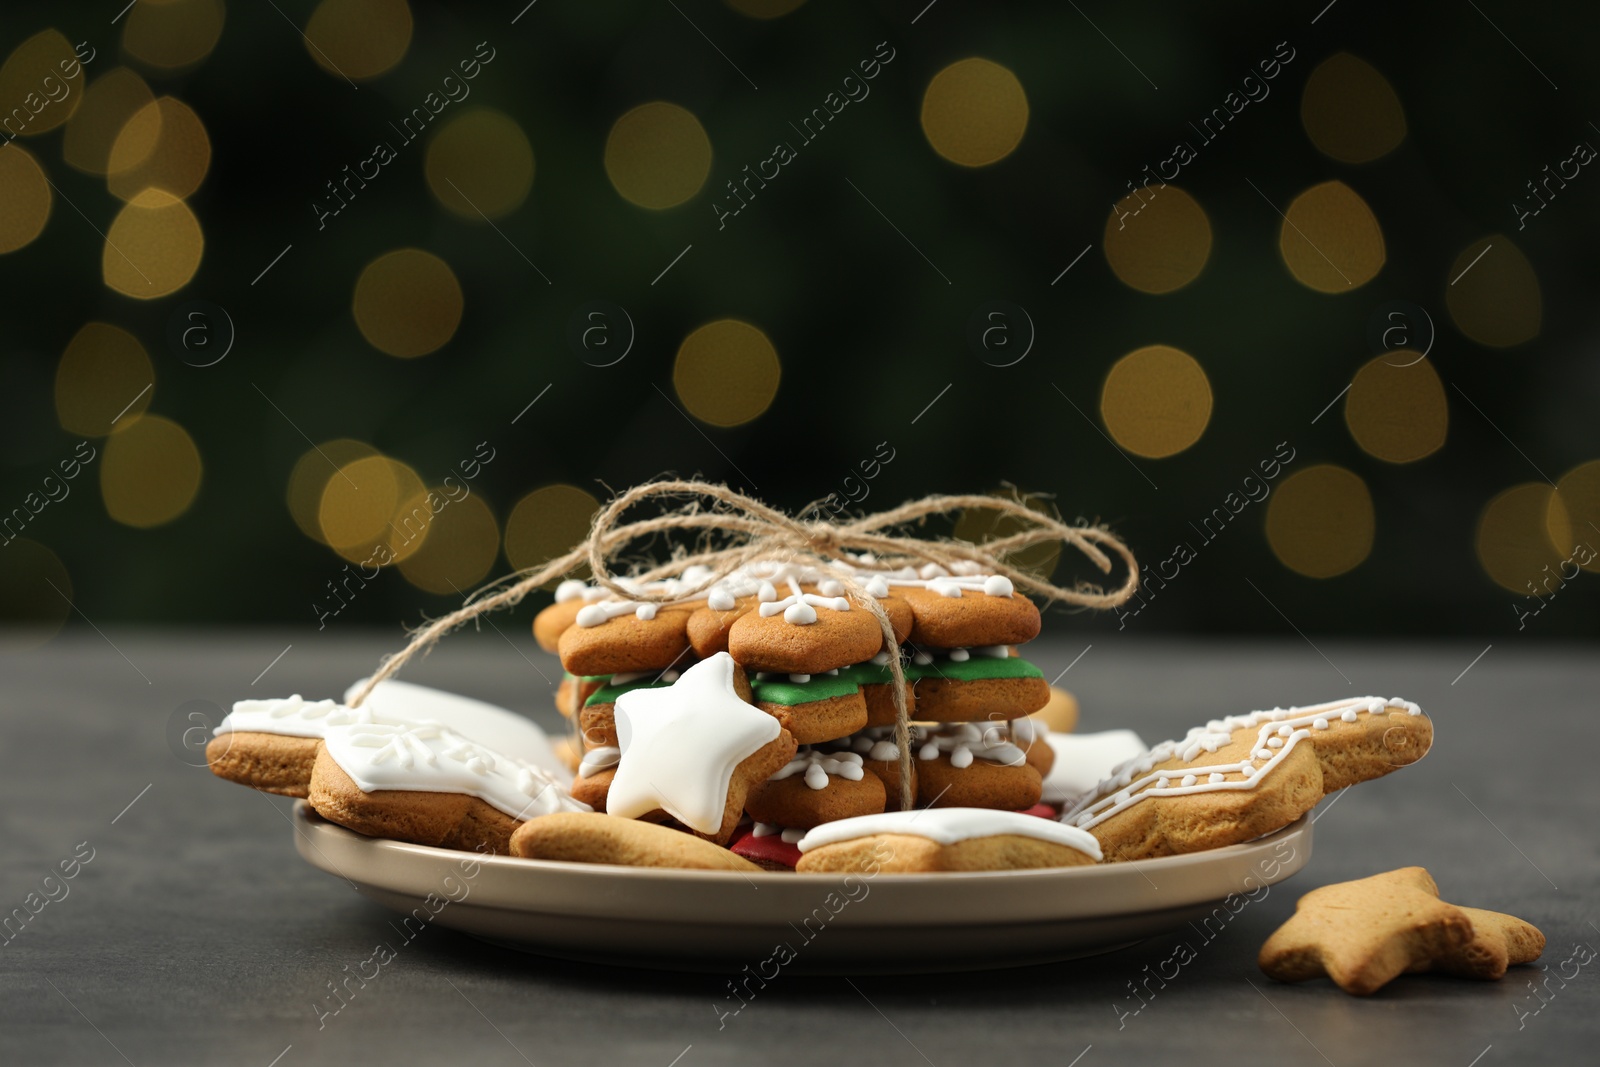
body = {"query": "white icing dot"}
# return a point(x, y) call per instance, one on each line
point(1161, 783)
point(928, 751)
point(801, 614)
point(881, 659)
point(878, 587)
point(646, 611)
point(792, 837)
point(1320, 723)
point(959, 655)
point(720, 600)
point(816, 777)
point(1248, 771)
point(591, 615)
point(799, 679)
point(766, 593)
point(922, 659)
point(932, 570)
point(998, 585)
point(1285, 731)
point(571, 589)
point(1274, 742)
point(1263, 753)
point(884, 751)
point(830, 588)
point(766, 829)
point(961, 757)
point(1189, 779)
point(1215, 778)
point(1349, 716)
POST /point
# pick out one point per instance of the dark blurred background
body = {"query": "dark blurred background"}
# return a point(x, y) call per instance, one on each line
point(1370, 406)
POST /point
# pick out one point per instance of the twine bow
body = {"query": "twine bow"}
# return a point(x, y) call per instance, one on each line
point(736, 530)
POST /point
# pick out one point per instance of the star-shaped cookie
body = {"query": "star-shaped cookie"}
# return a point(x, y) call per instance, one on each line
point(694, 749)
point(1361, 934)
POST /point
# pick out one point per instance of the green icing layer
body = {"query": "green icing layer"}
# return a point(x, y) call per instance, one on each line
point(569, 676)
point(821, 687)
point(608, 694)
point(824, 686)
point(979, 668)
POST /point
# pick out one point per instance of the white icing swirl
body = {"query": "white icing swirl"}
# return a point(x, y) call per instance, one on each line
point(290, 716)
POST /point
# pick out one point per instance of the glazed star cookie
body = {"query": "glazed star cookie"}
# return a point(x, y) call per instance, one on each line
point(427, 785)
point(1365, 933)
point(1238, 778)
point(944, 839)
point(816, 787)
point(596, 838)
point(694, 750)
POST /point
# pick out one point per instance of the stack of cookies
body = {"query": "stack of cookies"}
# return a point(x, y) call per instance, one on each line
point(814, 659)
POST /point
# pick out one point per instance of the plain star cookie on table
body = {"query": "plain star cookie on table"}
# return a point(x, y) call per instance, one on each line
point(1365, 933)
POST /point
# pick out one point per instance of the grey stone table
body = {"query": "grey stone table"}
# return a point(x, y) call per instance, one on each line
point(191, 932)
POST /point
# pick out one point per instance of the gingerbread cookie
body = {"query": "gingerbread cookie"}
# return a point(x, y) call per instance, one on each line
point(427, 785)
point(1238, 778)
point(880, 756)
point(596, 838)
point(973, 765)
point(597, 718)
point(1060, 712)
point(944, 839)
point(694, 749)
point(816, 787)
point(963, 684)
point(1362, 934)
point(812, 707)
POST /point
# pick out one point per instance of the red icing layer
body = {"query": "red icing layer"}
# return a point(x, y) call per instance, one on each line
point(770, 849)
point(1044, 811)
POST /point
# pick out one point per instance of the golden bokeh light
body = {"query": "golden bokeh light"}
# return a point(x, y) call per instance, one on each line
point(1164, 246)
point(480, 164)
point(979, 525)
point(974, 112)
point(1350, 111)
point(726, 373)
point(36, 94)
point(1573, 516)
point(374, 511)
point(104, 374)
point(108, 104)
point(153, 247)
point(462, 544)
point(407, 303)
point(1513, 540)
point(1156, 401)
point(547, 523)
point(150, 472)
point(1396, 408)
point(35, 594)
point(1330, 240)
point(1493, 295)
point(765, 9)
point(310, 477)
point(1320, 521)
point(163, 146)
point(359, 39)
point(172, 34)
point(657, 155)
point(24, 199)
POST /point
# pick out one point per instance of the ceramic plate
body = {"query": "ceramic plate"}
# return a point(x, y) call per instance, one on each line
point(819, 923)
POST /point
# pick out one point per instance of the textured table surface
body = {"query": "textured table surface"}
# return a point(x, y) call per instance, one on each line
point(195, 934)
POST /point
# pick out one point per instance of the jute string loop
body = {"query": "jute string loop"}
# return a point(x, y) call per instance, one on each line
point(733, 530)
